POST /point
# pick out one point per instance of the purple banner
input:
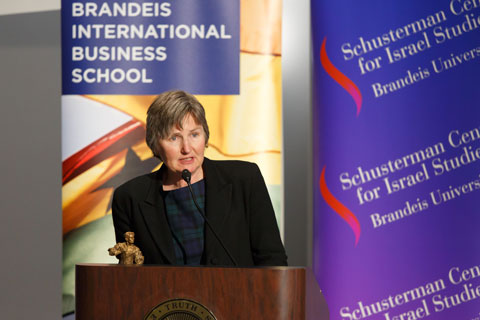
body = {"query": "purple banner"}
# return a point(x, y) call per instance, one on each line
point(396, 158)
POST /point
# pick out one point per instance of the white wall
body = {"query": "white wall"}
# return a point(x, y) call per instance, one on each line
point(28, 6)
point(30, 166)
point(297, 131)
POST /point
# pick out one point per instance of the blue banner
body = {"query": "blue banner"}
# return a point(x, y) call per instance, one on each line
point(146, 47)
point(396, 158)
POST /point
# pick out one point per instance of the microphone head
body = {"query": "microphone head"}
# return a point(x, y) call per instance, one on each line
point(186, 175)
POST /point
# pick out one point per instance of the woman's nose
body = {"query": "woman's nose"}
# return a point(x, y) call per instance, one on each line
point(186, 148)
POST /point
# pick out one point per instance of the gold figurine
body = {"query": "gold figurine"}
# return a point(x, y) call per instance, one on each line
point(129, 253)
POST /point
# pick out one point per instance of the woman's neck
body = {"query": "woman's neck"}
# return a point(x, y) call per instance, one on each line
point(174, 180)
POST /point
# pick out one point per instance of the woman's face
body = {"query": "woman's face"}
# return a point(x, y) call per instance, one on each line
point(184, 148)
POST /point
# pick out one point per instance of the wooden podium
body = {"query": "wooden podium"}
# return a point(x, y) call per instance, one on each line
point(106, 291)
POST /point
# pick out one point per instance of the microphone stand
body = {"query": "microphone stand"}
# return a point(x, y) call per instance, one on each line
point(186, 175)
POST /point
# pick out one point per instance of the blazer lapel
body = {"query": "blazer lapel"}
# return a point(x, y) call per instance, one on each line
point(153, 211)
point(218, 196)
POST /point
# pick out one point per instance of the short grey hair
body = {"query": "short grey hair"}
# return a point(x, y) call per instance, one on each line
point(169, 110)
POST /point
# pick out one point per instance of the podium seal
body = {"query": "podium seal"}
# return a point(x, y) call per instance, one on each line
point(180, 309)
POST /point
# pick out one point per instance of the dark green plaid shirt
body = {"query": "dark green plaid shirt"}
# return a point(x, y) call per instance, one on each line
point(186, 223)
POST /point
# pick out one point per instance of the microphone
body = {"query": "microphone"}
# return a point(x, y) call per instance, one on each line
point(187, 175)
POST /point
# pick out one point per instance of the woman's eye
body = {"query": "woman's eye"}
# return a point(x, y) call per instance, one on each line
point(195, 134)
point(173, 138)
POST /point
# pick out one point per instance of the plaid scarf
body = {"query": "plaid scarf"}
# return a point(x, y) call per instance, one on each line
point(186, 223)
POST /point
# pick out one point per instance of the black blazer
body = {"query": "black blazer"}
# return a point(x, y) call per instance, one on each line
point(237, 205)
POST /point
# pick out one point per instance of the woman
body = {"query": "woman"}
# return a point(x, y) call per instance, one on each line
point(158, 206)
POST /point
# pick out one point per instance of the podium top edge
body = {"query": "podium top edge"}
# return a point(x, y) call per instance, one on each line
point(111, 265)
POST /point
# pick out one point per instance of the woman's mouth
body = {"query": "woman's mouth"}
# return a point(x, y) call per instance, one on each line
point(186, 160)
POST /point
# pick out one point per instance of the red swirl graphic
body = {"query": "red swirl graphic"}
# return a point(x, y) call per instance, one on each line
point(339, 208)
point(340, 78)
